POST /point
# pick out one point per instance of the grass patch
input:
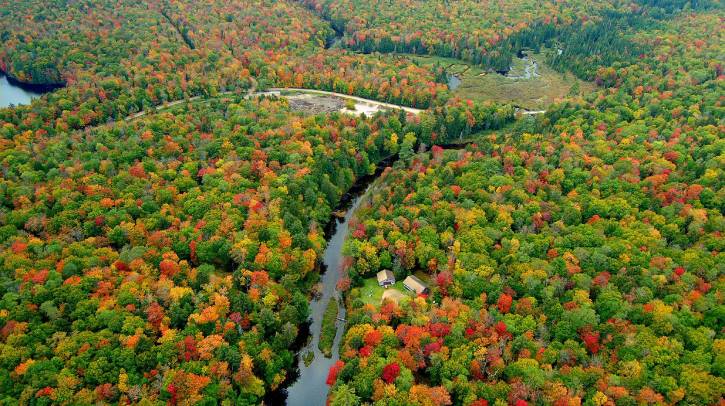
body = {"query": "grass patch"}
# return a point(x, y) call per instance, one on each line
point(536, 93)
point(372, 293)
point(308, 357)
point(328, 329)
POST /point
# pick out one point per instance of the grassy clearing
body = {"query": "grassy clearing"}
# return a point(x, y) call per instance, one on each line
point(532, 94)
point(328, 329)
point(372, 293)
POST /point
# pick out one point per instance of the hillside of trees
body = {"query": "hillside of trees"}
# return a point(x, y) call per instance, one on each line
point(488, 33)
point(577, 258)
point(119, 61)
point(573, 257)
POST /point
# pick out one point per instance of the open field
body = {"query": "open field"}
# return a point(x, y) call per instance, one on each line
point(534, 93)
point(371, 292)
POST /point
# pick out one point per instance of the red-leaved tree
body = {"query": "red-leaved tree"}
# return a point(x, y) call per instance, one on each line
point(334, 370)
point(390, 372)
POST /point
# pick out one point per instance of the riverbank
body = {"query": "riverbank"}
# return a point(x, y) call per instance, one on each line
point(328, 319)
point(309, 387)
point(16, 93)
point(39, 88)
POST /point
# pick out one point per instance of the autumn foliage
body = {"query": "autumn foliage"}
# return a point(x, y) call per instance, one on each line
point(161, 231)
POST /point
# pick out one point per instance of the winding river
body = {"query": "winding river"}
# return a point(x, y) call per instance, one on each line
point(310, 388)
point(531, 70)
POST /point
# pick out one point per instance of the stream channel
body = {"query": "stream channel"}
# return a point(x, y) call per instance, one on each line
point(307, 386)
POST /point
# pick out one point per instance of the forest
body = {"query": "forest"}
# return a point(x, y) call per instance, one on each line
point(164, 216)
point(576, 259)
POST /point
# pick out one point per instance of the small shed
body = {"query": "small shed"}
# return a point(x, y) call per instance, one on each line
point(386, 278)
point(415, 285)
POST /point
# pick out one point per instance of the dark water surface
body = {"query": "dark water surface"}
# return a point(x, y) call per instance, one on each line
point(13, 95)
point(310, 388)
point(308, 385)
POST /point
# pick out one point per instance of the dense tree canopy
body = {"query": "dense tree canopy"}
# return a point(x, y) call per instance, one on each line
point(162, 225)
point(577, 258)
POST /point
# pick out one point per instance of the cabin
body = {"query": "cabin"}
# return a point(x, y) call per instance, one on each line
point(415, 285)
point(386, 278)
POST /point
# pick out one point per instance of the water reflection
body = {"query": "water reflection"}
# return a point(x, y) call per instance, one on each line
point(14, 95)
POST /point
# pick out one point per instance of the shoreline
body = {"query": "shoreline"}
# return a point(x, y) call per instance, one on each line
point(32, 87)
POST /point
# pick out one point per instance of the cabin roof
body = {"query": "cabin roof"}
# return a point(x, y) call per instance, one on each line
point(415, 284)
point(385, 275)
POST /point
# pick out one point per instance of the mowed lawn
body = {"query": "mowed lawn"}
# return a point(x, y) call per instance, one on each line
point(372, 293)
